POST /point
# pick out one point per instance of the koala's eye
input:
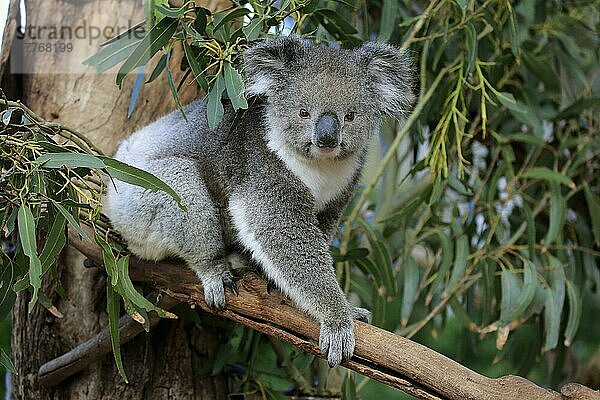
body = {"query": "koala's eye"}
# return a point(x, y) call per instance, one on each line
point(303, 113)
point(349, 117)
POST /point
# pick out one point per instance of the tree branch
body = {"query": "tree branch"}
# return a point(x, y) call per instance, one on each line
point(381, 355)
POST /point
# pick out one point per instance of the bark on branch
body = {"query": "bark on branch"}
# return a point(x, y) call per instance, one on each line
point(381, 355)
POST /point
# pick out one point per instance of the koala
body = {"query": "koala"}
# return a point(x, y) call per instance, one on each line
point(272, 182)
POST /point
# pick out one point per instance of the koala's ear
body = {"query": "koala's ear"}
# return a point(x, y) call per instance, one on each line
point(390, 78)
point(267, 62)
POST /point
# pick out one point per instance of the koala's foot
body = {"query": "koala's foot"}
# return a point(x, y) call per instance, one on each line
point(214, 288)
point(336, 341)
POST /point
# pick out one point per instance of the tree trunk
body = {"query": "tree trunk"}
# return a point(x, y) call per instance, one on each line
point(167, 362)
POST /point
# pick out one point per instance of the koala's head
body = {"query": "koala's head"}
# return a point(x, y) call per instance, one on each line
point(325, 102)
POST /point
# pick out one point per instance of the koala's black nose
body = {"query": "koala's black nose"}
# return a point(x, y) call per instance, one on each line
point(327, 132)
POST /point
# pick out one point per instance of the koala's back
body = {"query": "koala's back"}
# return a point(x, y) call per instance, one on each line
point(170, 135)
point(171, 149)
point(200, 164)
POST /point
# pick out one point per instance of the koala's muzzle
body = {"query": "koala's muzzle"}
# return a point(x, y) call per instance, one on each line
point(327, 132)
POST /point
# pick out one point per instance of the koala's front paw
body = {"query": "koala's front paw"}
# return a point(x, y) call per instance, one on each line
point(214, 289)
point(361, 314)
point(336, 340)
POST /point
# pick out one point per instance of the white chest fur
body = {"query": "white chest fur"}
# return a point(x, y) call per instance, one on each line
point(324, 178)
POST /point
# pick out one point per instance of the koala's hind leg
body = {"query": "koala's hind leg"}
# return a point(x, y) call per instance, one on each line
point(155, 227)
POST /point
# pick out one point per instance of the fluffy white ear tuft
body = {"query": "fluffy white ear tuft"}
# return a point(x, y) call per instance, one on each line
point(390, 78)
point(267, 62)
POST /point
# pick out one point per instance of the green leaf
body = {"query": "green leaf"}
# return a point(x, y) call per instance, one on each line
point(236, 13)
point(70, 160)
point(389, 14)
point(510, 291)
point(542, 70)
point(7, 294)
point(553, 305)
point(110, 262)
point(444, 266)
point(171, 12)
point(593, 204)
point(253, 29)
point(521, 112)
point(352, 254)
point(159, 68)
point(194, 66)
point(154, 40)
point(132, 294)
point(55, 242)
point(458, 186)
point(577, 107)
point(27, 233)
point(6, 362)
point(214, 108)
point(592, 272)
point(235, 86)
point(548, 175)
point(72, 221)
point(113, 53)
point(22, 283)
point(436, 191)
point(113, 308)
point(174, 91)
point(558, 213)
point(411, 287)
point(526, 138)
point(368, 267)
point(340, 23)
point(488, 300)
point(513, 31)
point(381, 257)
point(575, 308)
point(531, 233)
point(200, 21)
point(470, 46)
point(460, 262)
point(461, 314)
point(524, 296)
point(135, 176)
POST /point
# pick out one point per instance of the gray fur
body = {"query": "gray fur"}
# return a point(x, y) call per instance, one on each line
point(261, 186)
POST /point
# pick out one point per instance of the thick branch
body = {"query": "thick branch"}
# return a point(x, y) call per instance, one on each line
point(381, 355)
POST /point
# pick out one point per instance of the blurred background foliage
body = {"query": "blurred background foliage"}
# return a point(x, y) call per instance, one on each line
point(476, 229)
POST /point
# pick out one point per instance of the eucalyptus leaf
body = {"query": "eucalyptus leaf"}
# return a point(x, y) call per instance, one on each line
point(411, 280)
point(156, 38)
point(253, 29)
point(548, 175)
point(593, 204)
point(6, 362)
point(27, 234)
point(389, 13)
point(70, 160)
point(135, 176)
point(113, 309)
point(214, 109)
point(575, 309)
point(235, 86)
point(226, 17)
point(71, 219)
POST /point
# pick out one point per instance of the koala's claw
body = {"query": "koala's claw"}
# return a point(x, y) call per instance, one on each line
point(270, 286)
point(361, 314)
point(214, 289)
point(231, 284)
point(337, 342)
